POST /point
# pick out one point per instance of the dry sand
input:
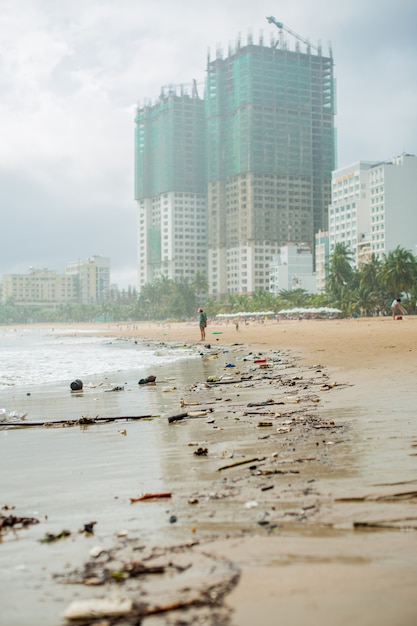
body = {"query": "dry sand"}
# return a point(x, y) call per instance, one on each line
point(346, 344)
point(332, 573)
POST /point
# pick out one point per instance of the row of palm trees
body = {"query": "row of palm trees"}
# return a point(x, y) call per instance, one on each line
point(368, 290)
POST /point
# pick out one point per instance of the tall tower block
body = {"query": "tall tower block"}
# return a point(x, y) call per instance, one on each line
point(170, 186)
point(270, 154)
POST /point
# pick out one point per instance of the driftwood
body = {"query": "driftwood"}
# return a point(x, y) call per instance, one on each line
point(236, 463)
point(13, 520)
point(213, 383)
point(83, 421)
point(151, 496)
point(189, 414)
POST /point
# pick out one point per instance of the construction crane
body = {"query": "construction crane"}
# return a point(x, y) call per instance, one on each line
point(282, 27)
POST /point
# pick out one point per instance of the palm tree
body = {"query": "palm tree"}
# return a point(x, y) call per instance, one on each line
point(364, 300)
point(199, 283)
point(294, 297)
point(262, 300)
point(399, 271)
point(340, 270)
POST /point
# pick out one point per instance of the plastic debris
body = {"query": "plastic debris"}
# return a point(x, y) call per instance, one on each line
point(6, 416)
point(251, 504)
point(98, 607)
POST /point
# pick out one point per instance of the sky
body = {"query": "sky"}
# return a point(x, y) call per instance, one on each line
point(73, 73)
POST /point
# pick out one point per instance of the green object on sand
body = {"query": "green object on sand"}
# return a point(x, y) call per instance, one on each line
point(217, 332)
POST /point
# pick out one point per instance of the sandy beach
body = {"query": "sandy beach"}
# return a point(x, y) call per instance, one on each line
point(321, 526)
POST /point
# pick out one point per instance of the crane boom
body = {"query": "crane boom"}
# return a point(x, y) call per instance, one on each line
point(282, 26)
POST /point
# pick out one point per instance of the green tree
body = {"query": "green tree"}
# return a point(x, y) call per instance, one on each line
point(262, 300)
point(341, 274)
point(399, 271)
point(294, 298)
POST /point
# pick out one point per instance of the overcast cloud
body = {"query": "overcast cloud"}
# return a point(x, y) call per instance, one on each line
point(72, 73)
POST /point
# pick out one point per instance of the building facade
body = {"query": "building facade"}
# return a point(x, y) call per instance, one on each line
point(170, 186)
point(92, 278)
point(39, 287)
point(373, 208)
point(322, 253)
point(270, 154)
point(292, 269)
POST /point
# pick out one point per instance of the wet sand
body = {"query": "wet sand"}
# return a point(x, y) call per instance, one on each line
point(332, 537)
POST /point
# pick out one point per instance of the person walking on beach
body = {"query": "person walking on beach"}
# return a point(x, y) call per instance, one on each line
point(202, 322)
point(396, 307)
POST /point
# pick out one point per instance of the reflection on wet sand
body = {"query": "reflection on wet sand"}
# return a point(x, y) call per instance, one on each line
point(306, 491)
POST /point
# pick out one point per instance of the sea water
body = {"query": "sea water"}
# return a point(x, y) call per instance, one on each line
point(69, 476)
point(34, 356)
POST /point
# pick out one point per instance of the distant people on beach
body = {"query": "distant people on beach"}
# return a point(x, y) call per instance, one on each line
point(202, 322)
point(397, 307)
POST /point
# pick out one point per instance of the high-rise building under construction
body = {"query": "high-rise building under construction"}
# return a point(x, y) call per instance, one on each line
point(270, 154)
point(222, 183)
point(170, 186)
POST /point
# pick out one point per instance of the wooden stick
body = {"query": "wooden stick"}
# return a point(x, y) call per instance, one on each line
point(236, 463)
point(80, 422)
point(149, 496)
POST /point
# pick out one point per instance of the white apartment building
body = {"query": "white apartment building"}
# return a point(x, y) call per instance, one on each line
point(393, 205)
point(373, 208)
point(39, 287)
point(349, 216)
point(292, 269)
point(322, 257)
point(92, 278)
point(172, 237)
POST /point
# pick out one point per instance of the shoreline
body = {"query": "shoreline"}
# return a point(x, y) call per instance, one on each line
point(310, 561)
point(346, 344)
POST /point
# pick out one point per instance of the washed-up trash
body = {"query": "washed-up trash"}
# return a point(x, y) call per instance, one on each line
point(201, 452)
point(149, 380)
point(97, 551)
point(242, 462)
point(172, 519)
point(13, 520)
point(52, 537)
point(251, 504)
point(98, 607)
point(76, 385)
point(186, 403)
point(190, 414)
point(6, 416)
point(89, 528)
point(151, 496)
point(230, 365)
